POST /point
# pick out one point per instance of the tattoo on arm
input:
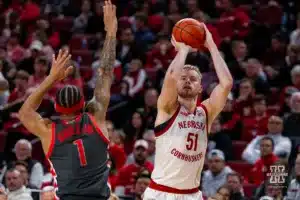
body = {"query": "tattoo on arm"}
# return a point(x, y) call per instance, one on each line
point(105, 73)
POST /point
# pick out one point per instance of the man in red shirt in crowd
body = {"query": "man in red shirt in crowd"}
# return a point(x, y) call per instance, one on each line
point(267, 159)
point(127, 175)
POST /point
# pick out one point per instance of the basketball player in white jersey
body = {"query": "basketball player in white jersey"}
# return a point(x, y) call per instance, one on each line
point(182, 125)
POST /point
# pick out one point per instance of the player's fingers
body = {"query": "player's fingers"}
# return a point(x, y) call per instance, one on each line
point(69, 71)
point(53, 58)
point(59, 55)
point(114, 10)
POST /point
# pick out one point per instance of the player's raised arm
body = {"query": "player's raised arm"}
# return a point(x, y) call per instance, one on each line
point(168, 97)
point(99, 104)
point(27, 114)
point(218, 97)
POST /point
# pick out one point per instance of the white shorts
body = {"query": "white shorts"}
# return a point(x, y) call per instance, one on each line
point(151, 194)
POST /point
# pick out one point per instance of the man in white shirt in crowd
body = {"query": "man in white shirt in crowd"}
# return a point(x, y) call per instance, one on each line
point(282, 145)
point(23, 151)
point(15, 187)
point(216, 175)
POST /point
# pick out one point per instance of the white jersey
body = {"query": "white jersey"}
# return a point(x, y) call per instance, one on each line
point(180, 149)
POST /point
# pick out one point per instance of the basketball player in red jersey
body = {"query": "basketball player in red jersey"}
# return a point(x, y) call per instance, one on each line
point(182, 125)
point(76, 143)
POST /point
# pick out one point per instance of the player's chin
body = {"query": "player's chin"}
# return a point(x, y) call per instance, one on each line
point(185, 94)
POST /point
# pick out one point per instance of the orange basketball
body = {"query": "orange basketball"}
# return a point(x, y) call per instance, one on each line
point(191, 32)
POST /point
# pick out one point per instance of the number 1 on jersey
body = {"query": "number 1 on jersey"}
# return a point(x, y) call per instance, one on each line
point(192, 141)
point(81, 152)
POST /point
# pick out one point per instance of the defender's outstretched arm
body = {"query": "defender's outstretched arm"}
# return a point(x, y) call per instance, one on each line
point(99, 104)
point(27, 114)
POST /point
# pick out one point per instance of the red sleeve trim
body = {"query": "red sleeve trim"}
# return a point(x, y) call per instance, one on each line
point(158, 132)
point(52, 142)
point(93, 120)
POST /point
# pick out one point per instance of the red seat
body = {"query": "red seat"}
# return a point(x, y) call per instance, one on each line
point(249, 189)
point(241, 167)
point(151, 73)
point(2, 140)
point(86, 73)
point(76, 41)
point(64, 24)
point(238, 148)
point(86, 56)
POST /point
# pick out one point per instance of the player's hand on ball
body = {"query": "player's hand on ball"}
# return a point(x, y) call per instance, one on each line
point(181, 46)
point(61, 68)
point(109, 17)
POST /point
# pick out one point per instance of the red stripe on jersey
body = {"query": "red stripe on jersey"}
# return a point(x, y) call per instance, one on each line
point(105, 139)
point(167, 189)
point(169, 123)
point(50, 149)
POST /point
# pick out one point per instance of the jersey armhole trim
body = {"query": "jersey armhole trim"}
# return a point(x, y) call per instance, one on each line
point(206, 113)
point(162, 128)
point(93, 120)
point(50, 150)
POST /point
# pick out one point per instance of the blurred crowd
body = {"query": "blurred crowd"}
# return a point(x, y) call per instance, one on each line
point(255, 135)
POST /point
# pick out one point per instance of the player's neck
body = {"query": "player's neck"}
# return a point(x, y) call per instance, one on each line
point(189, 103)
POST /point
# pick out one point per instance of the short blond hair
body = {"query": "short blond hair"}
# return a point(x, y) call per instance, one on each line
point(192, 67)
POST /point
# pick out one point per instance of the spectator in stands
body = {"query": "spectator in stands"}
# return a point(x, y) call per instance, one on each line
point(254, 72)
point(23, 151)
point(285, 101)
point(21, 86)
point(15, 51)
point(218, 139)
point(292, 121)
point(289, 62)
point(295, 35)
point(238, 63)
point(262, 165)
point(149, 136)
point(128, 47)
point(257, 123)
point(142, 182)
point(282, 145)
point(271, 191)
point(244, 101)
point(4, 86)
point(223, 193)
point(15, 186)
point(134, 130)
point(22, 167)
point(233, 22)
point(149, 106)
point(135, 77)
point(41, 67)
point(295, 76)
point(216, 175)
point(95, 23)
point(135, 155)
point(293, 189)
point(27, 64)
point(81, 22)
point(126, 175)
point(142, 33)
point(235, 183)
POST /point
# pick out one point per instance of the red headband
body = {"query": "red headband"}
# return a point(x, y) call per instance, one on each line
point(77, 107)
